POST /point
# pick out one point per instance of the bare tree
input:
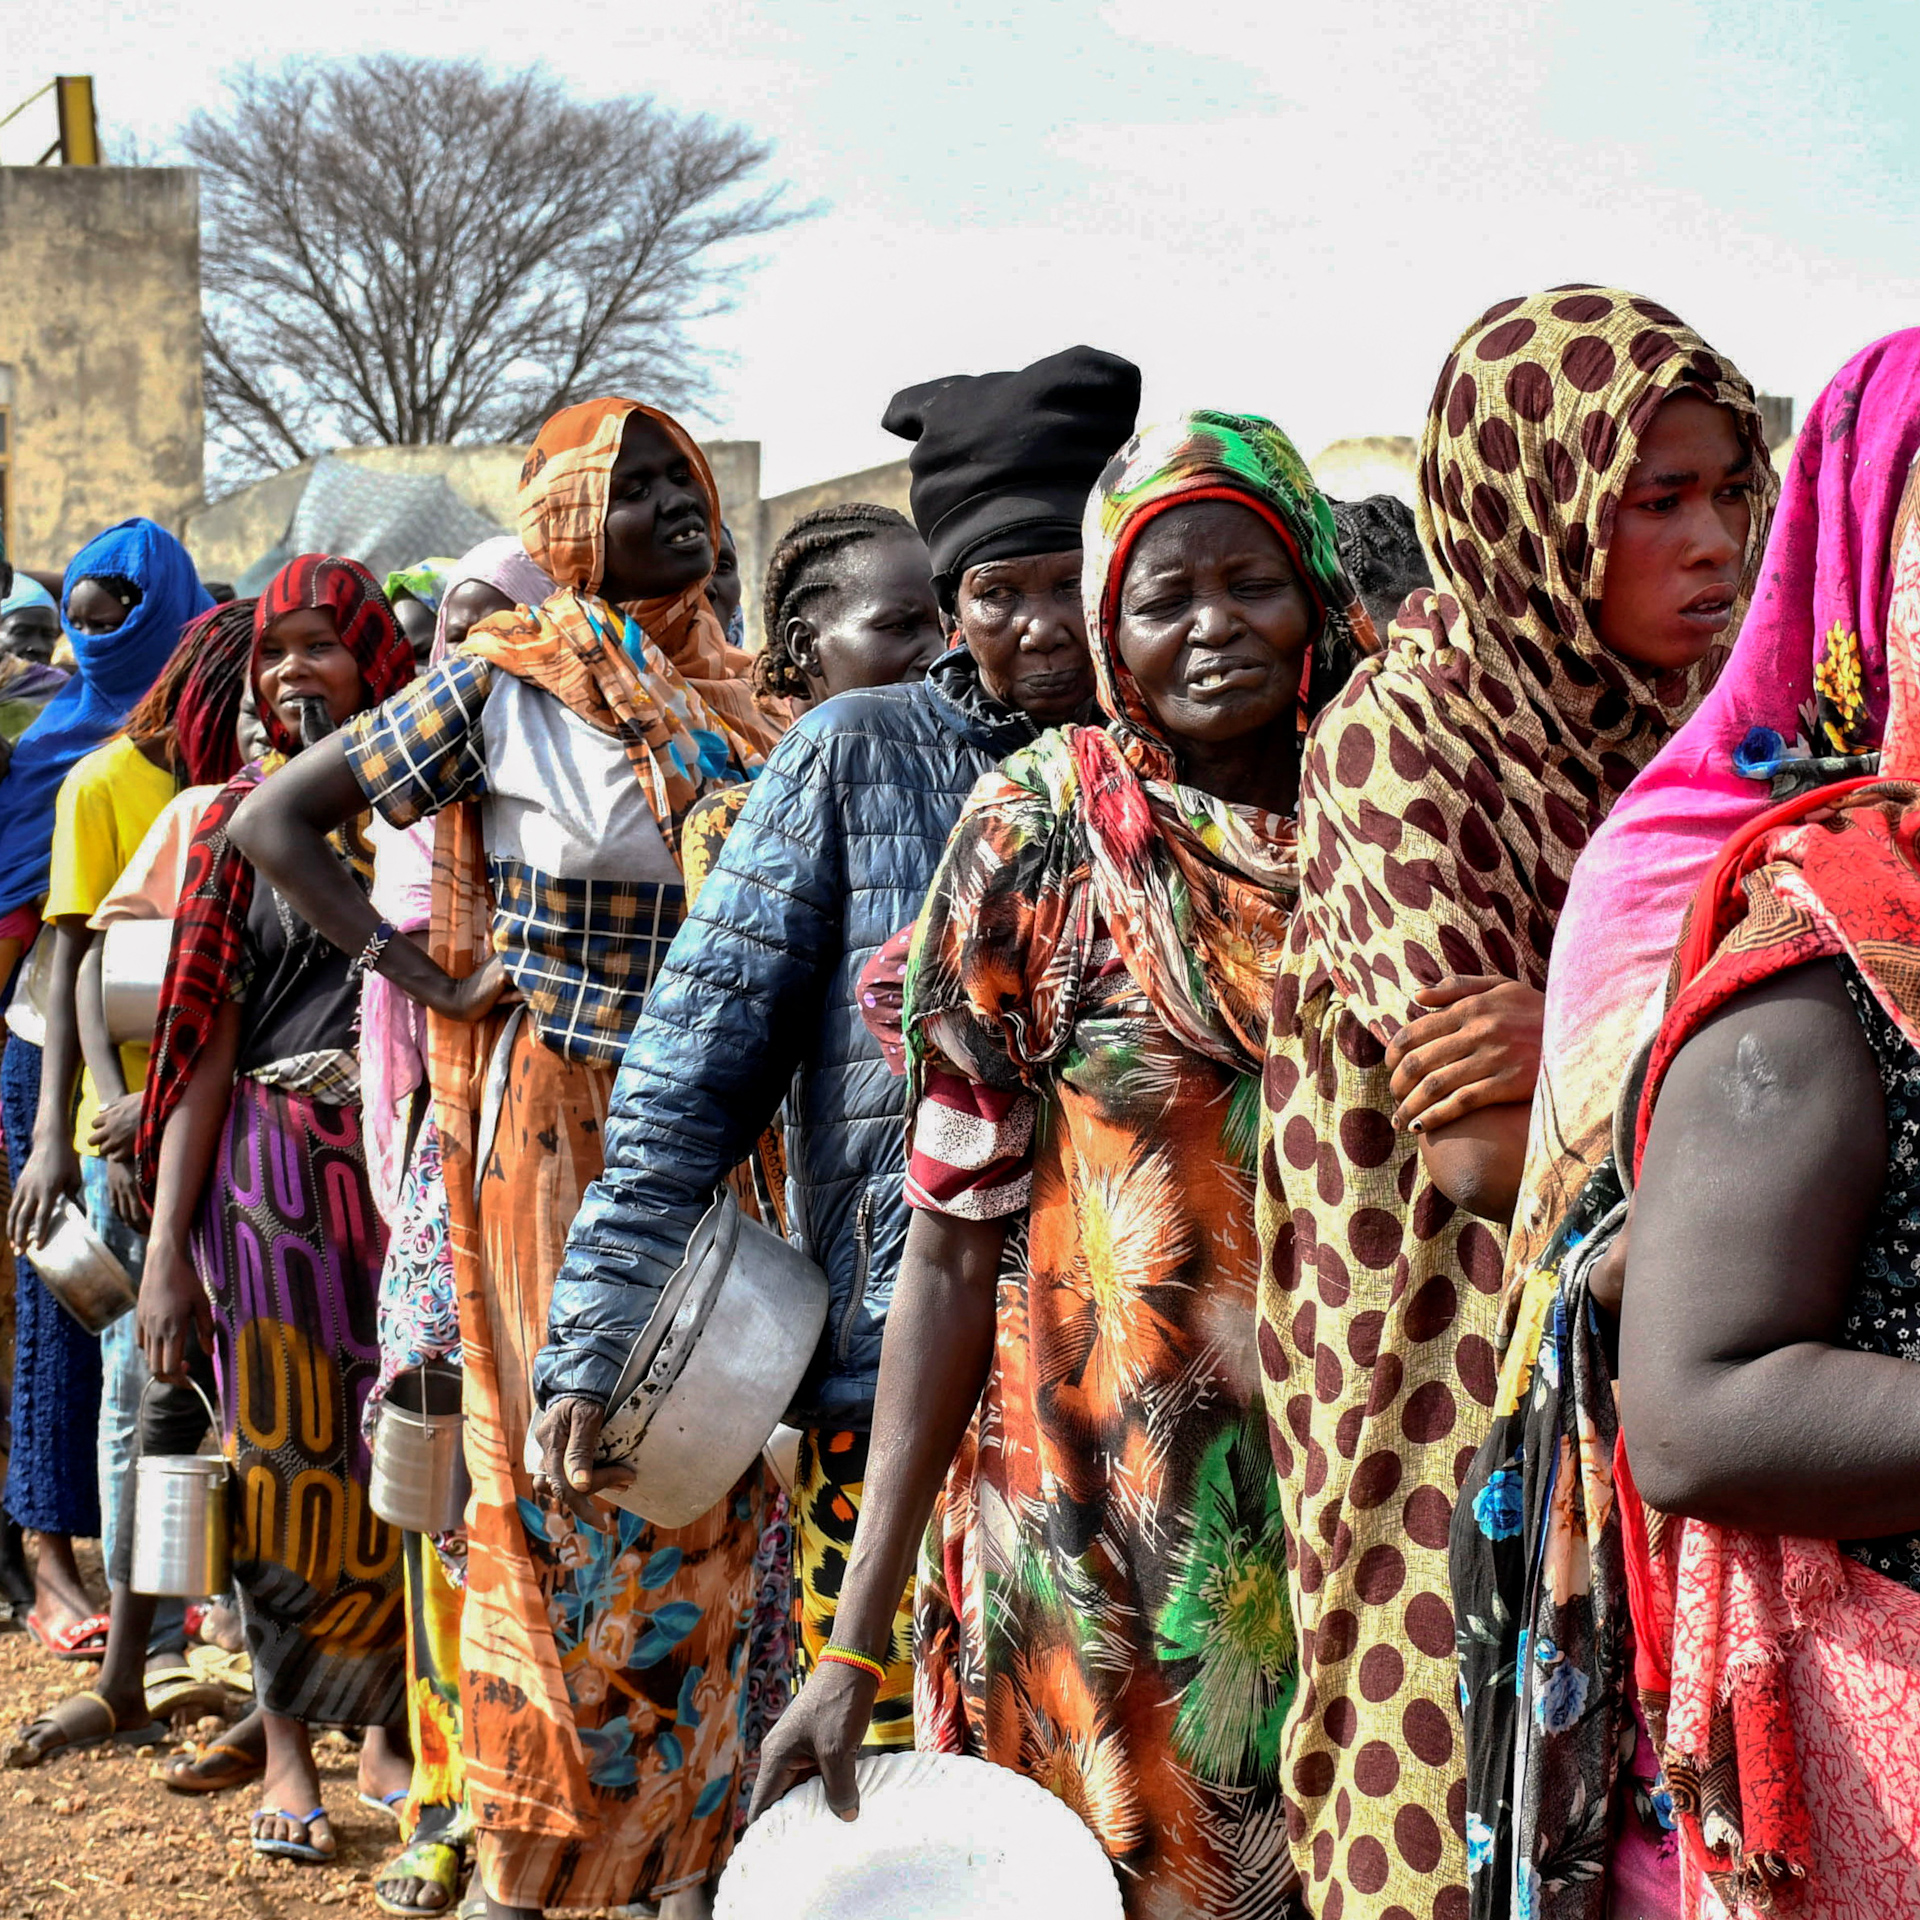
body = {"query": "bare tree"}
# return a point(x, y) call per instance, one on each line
point(405, 251)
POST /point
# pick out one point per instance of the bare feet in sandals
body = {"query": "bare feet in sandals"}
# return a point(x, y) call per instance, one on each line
point(238, 1757)
point(292, 1823)
point(86, 1719)
point(425, 1876)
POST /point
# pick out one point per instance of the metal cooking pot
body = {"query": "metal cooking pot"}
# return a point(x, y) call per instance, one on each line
point(182, 1515)
point(714, 1368)
point(133, 963)
point(419, 1479)
point(75, 1266)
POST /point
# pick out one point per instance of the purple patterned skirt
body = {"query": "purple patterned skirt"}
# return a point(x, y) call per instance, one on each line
point(289, 1248)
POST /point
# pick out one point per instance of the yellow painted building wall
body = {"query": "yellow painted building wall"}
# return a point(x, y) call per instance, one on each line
point(99, 352)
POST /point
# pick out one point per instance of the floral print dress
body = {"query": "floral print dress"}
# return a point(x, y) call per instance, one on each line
point(1103, 1603)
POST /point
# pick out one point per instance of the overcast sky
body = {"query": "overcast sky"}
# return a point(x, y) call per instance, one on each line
point(1272, 207)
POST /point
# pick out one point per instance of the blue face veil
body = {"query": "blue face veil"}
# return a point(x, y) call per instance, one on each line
point(113, 672)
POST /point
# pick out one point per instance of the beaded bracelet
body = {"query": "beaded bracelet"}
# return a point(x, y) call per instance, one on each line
point(368, 960)
point(846, 1657)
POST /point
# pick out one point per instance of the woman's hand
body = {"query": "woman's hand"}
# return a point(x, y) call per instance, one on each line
point(820, 1733)
point(1479, 1048)
point(174, 1312)
point(124, 1195)
point(52, 1174)
point(115, 1128)
point(468, 999)
point(569, 1436)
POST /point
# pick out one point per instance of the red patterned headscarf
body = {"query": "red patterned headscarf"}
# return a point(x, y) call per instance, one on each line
point(361, 617)
point(209, 925)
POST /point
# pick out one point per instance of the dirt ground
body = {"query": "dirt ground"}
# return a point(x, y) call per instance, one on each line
point(92, 1834)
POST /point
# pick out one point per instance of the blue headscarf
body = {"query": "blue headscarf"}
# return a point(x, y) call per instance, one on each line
point(25, 592)
point(113, 671)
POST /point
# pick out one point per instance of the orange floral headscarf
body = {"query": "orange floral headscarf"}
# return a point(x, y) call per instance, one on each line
point(692, 683)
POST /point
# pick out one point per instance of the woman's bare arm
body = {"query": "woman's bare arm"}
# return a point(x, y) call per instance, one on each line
point(1763, 1170)
point(1463, 1075)
point(52, 1171)
point(1477, 1161)
point(173, 1303)
point(933, 1364)
point(282, 827)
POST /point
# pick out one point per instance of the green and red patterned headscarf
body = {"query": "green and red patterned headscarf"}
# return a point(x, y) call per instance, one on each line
point(1212, 456)
point(1092, 826)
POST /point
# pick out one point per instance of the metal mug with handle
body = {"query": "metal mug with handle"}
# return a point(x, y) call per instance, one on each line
point(419, 1480)
point(182, 1519)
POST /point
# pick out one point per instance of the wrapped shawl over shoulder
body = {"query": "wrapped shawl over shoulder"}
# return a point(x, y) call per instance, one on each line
point(1466, 767)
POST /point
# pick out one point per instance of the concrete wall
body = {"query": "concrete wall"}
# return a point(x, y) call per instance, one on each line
point(100, 348)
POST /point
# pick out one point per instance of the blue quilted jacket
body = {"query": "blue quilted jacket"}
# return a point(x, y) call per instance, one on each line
point(756, 1004)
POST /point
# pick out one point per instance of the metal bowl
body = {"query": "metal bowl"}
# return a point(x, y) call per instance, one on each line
point(714, 1368)
point(75, 1266)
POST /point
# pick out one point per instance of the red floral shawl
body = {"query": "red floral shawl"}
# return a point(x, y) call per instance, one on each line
point(1765, 1660)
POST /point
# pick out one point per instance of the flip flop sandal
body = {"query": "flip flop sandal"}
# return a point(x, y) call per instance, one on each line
point(387, 1802)
point(189, 1779)
point(23, 1753)
point(219, 1668)
point(172, 1690)
point(433, 1862)
point(300, 1850)
point(84, 1640)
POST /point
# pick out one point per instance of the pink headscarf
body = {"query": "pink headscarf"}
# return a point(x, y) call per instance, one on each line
point(1807, 679)
point(502, 563)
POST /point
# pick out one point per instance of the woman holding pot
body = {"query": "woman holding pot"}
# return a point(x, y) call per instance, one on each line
point(1105, 1605)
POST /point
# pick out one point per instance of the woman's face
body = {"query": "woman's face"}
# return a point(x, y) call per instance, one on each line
point(1024, 625)
point(93, 607)
point(1214, 622)
point(657, 538)
point(300, 658)
point(880, 625)
point(723, 590)
point(1679, 537)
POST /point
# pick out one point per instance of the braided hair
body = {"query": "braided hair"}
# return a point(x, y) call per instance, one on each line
point(1380, 549)
point(804, 566)
point(192, 711)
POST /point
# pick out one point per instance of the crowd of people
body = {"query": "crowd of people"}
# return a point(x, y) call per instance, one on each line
point(1319, 1048)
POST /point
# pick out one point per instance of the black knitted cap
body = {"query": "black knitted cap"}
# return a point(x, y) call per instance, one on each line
point(1002, 463)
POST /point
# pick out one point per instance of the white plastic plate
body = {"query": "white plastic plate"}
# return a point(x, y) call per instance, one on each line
point(939, 1837)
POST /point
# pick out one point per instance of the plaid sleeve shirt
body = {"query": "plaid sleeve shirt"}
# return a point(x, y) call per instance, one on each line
point(581, 952)
point(421, 751)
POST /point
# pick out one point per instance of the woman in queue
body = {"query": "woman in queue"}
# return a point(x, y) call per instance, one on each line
point(129, 594)
point(265, 1247)
point(830, 858)
point(183, 737)
point(1765, 1335)
point(1593, 489)
point(1086, 1010)
point(562, 747)
point(1537, 1544)
point(419, 1314)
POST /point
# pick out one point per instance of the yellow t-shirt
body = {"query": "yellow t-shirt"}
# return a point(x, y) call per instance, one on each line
point(101, 814)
